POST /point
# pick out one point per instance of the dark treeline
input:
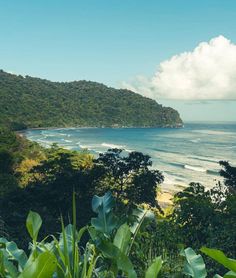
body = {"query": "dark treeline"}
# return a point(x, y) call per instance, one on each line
point(43, 180)
point(34, 102)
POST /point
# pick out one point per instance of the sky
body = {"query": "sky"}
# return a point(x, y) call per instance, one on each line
point(181, 53)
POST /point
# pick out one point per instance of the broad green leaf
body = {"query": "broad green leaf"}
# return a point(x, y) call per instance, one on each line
point(106, 221)
point(6, 266)
point(2, 268)
point(33, 224)
point(16, 254)
point(122, 261)
point(122, 238)
point(9, 253)
point(220, 257)
point(154, 269)
point(194, 265)
point(107, 202)
point(230, 274)
point(42, 267)
point(141, 216)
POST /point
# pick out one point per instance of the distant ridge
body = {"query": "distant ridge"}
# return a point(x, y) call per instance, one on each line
point(29, 102)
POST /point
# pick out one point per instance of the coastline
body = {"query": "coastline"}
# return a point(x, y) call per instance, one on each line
point(180, 154)
point(87, 127)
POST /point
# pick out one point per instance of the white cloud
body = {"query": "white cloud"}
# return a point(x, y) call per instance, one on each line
point(208, 72)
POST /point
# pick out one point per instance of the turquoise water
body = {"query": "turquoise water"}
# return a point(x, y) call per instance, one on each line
point(184, 155)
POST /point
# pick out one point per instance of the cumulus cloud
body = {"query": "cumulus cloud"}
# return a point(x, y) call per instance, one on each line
point(206, 73)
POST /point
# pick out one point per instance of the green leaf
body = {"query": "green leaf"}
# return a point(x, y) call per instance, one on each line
point(33, 224)
point(141, 216)
point(16, 254)
point(220, 257)
point(11, 254)
point(106, 221)
point(121, 260)
point(42, 267)
point(107, 202)
point(154, 268)
point(230, 274)
point(122, 238)
point(194, 265)
point(6, 266)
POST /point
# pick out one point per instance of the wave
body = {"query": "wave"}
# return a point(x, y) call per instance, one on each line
point(129, 151)
point(213, 172)
point(231, 147)
point(68, 141)
point(45, 135)
point(165, 151)
point(85, 147)
point(189, 167)
point(195, 168)
point(214, 132)
point(197, 140)
point(112, 146)
point(202, 158)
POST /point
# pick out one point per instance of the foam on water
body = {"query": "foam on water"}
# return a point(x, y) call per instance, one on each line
point(112, 146)
point(214, 132)
point(195, 168)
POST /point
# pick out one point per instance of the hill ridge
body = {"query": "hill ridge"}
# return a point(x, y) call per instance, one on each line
point(31, 102)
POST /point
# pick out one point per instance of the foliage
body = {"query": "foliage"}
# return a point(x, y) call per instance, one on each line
point(105, 254)
point(229, 174)
point(194, 265)
point(128, 177)
point(105, 221)
point(206, 217)
point(102, 253)
point(15, 154)
point(220, 257)
point(122, 237)
point(33, 102)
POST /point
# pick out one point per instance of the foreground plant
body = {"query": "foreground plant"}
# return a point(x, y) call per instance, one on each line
point(105, 254)
point(195, 267)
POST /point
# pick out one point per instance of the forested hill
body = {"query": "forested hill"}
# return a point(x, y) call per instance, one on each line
point(34, 102)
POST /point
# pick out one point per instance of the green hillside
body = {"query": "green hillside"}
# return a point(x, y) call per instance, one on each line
point(35, 102)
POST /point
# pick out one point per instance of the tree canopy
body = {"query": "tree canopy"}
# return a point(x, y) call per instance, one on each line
point(34, 102)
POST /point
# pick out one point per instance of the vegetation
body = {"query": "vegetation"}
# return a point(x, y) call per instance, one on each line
point(33, 102)
point(107, 252)
point(125, 234)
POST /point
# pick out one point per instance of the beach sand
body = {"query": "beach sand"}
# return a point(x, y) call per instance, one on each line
point(164, 198)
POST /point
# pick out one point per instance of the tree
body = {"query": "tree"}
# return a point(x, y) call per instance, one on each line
point(6, 162)
point(50, 191)
point(229, 174)
point(128, 177)
point(207, 216)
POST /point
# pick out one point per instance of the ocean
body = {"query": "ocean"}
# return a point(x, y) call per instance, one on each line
point(184, 155)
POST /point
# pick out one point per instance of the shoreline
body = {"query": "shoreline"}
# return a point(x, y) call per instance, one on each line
point(113, 127)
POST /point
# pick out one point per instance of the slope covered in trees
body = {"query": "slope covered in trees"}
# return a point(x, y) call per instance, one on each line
point(34, 102)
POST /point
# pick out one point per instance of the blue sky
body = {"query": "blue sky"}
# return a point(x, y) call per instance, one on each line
point(112, 41)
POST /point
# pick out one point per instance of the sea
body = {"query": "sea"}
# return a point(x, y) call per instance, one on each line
point(184, 155)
